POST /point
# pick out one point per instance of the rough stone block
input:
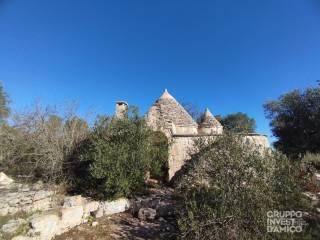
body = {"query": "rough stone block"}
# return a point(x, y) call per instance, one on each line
point(116, 206)
point(12, 226)
point(91, 207)
point(4, 210)
point(43, 204)
point(4, 179)
point(73, 201)
point(25, 238)
point(44, 226)
point(42, 194)
point(316, 179)
point(13, 210)
point(14, 202)
point(70, 217)
point(147, 214)
point(99, 212)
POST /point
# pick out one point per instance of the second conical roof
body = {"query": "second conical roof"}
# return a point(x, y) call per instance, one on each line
point(208, 120)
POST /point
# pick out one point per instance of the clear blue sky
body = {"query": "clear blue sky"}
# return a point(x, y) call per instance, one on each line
point(226, 55)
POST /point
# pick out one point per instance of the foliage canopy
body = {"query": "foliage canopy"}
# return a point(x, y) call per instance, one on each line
point(115, 158)
point(295, 121)
point(238, 123)
point(228, 188)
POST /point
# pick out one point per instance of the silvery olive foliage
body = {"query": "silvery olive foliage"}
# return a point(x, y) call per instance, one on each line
point(117, 155)
point(227, 188)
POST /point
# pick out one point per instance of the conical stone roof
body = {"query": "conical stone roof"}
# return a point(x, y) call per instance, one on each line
point(169, 110)
point(208, 120)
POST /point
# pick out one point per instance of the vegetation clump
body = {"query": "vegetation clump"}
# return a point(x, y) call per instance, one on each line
point(228, 188)
point(117, 155)
point(37, 144)
point(295, 122)
point(238, 123)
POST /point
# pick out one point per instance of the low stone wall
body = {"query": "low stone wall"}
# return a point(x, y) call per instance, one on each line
point(48, 216)
point(74, 211)
point(25, 198)
point(182, 145)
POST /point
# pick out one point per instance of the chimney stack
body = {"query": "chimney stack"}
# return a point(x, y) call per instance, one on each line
point(121, 109)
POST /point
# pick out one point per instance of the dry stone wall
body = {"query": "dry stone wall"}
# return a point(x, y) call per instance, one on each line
point(25, 198)
point(47, 216)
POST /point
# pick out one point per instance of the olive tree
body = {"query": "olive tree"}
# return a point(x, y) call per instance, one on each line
point(228, 188)
point(115, 158)
point(295, 121)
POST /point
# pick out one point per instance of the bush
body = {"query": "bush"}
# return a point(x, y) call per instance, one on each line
point(159, 156)
point(229, 188)
point(38, 144)
point(311, 161)
point(116, 156)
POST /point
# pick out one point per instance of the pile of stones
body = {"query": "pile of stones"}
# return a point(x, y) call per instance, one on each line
point(158, 207)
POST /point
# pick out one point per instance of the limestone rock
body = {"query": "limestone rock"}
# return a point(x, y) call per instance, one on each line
point(42, 194)
point(43, 204)
point(44, 226)
point(25, 238)
point(4, 210)
point(99, 212)
point(13, 225)
point(91, 207)
point(38, 185)
point(14, 202)
point(73, 201)
point(314, 200)
point(147, 214)
point(94, 224)
point(13, 210)
point(316, 179)
point(116, 206)
point(70, 217)
point(4, 179)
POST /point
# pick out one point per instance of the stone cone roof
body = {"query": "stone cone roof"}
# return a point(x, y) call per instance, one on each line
point(171, 111)
point(208, 120)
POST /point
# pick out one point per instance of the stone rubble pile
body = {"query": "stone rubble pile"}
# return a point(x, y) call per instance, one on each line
point(157, 210)
point(160, 204)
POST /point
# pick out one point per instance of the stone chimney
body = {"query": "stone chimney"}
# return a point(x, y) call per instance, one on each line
point(121, 109)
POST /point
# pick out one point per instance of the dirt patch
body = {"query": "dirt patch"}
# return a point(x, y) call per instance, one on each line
point(122, 226)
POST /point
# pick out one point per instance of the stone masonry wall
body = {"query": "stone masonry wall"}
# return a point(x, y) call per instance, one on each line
point(25, 198)
point(181, 146)
point(46, 215)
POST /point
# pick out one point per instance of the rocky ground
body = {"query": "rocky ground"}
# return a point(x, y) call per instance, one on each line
point(34, 212)
point(122, 226)
point(151, 217)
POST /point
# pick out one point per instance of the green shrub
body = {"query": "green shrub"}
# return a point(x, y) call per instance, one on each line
point(228, 189)
point(116, 157)
point(159, 155)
